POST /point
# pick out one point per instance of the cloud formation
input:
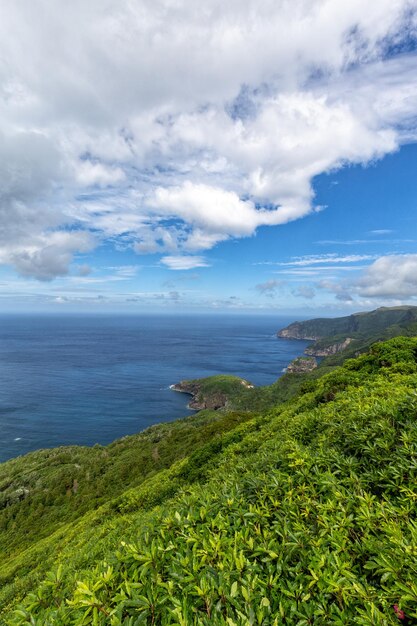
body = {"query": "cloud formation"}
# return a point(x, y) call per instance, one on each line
point(184, 262)
point(304, 291)
point(45, 256)
point(109, 125)
point(390, 277)
point(270, 287)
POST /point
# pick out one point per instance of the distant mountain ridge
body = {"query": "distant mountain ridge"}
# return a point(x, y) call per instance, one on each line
point(353, 333)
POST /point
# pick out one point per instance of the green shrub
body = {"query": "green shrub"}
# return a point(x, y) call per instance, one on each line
point(306, 514)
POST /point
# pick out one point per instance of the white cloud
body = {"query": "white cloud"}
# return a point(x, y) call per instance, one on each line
point(170, 127)
point(184, 262)
point(98, 174)
point(323, 259)
point(212, 214)
point(319, 271)
point(390, 277)
point(355, 242)
point(46, 256)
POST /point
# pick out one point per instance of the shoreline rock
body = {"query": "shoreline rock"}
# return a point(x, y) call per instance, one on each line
point(318, 348)
point(302, 365)
point(200, 401)
point(295, 332)
point(204, 398)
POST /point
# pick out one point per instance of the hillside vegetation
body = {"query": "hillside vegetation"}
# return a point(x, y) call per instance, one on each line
point(300, 509)
point(355, 333)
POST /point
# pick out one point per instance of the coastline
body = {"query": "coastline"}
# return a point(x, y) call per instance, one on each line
point(194, 387)
point(188, 393)
point(136, 367)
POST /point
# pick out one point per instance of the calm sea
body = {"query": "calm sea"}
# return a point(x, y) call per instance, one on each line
point(91, 379)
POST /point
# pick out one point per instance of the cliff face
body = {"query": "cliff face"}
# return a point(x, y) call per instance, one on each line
point(332, 336)
point(296, 331)
point(199, 400)
point(356, 325)
point(301, 365)
point(212, 393)
point(333, 348)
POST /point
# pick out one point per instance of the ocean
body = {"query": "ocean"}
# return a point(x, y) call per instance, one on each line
point(92, 379)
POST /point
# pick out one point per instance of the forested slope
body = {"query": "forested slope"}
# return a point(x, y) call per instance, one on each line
point(343, 337)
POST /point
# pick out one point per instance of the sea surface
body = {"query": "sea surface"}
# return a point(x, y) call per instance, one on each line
point(91, 379)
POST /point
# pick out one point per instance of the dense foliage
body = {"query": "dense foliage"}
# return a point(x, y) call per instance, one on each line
point(305, 513)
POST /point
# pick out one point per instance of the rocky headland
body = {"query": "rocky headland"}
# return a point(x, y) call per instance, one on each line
point(301, 365)
point(214, 392)
point(352, 334)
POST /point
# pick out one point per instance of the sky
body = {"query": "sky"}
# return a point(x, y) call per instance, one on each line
point(174, 156)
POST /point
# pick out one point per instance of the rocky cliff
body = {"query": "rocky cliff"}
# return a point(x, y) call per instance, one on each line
point(352, 334)
point(212, 393)
point(297, 331)
point(301, 365)
point(333, 348)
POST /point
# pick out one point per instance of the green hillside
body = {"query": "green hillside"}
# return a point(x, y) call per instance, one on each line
point(298, 509)
point(358, 324)
point(360, 330)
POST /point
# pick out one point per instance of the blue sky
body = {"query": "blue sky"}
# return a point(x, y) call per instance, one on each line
point(261, 161)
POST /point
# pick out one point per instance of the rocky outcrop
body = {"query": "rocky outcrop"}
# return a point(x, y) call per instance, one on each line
point(296, 331)
point(323, 346)
point(206, 393)
point(8, 499)
point(199, 400)
point(301, 365)
point(333, 348)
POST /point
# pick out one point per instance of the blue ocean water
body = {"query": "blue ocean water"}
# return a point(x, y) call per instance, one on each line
point(91, 379)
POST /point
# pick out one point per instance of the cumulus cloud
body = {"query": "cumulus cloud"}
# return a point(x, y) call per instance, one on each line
point(212, 214)
point(304, 291)
point(47, 256)
point(390, 277)
point(270, 287)
point(340, 290)
point(108, 123)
